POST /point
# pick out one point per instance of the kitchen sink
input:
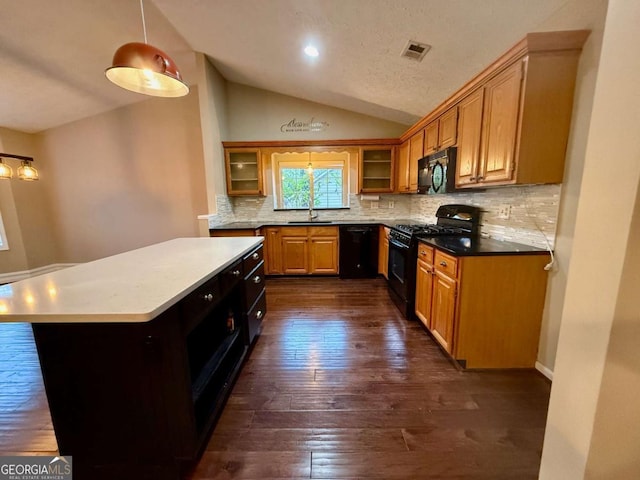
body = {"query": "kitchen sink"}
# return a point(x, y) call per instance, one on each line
point(310, 222)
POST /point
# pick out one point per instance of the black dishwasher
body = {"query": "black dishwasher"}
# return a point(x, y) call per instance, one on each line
point(358, 251)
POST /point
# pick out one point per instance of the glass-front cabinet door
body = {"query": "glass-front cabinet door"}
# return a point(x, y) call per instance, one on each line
point(244, 171)
point(376, 169)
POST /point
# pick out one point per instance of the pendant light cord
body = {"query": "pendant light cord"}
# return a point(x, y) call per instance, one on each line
point(144, 26)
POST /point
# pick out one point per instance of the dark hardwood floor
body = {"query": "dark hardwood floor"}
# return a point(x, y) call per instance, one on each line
point(339, 386)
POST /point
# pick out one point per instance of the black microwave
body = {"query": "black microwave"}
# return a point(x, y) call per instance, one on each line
point(437, 172)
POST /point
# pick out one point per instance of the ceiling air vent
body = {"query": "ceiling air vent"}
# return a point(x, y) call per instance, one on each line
point(415, 50)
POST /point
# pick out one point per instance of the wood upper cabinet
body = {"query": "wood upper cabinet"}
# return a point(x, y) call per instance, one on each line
point(383, 251)
point(526, 116)
point(500, 125)
point(441, 133)
point(402, 167)
point(301, 250)
point(469, 135)
point(243, 171)
point(272, 251)
point(376, 170)
point(431, 137)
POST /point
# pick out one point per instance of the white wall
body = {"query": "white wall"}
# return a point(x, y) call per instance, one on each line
point(212, 90)
point(584, 14)
point(593, 425)
point(256, 114)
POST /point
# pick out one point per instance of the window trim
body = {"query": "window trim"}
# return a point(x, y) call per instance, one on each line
point(3, 236)
point(279, 163)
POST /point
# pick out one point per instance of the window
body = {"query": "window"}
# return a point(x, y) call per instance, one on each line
point(292, 180)
point(4, 244)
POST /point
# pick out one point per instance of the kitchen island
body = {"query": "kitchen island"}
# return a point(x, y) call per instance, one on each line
point(139, 350)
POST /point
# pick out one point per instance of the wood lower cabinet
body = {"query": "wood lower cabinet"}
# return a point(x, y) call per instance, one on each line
point(442, 309)
point(272, 251)
point(295, 252)
point(485, 311)
point(383, 251)
point(323, 255)
point(424, 285)
point(302, 250)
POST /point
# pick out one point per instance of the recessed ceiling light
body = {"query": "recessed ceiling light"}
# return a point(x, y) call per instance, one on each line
point(311, 51)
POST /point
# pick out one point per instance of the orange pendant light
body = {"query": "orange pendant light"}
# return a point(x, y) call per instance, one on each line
point(145, 69)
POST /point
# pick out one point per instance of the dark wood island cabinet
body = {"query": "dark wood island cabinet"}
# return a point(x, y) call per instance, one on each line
point(134, 399)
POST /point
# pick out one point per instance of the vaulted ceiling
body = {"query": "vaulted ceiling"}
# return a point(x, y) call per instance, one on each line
point(53, 53)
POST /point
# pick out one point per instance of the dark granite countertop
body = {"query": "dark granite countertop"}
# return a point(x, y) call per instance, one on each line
point(337, 223)
point(471, 247)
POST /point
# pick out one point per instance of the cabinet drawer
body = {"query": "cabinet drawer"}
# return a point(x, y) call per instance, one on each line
point(230, 277)
point(255, 317)
point(250, 261)
point(446, 264)
point(425, 253)
point(254, 284)
point(323, 231)
point(199, 302)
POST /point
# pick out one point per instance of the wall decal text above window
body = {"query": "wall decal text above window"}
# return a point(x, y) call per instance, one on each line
point(312, 125)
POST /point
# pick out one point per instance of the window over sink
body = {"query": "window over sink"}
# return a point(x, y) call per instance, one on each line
point(293, 173)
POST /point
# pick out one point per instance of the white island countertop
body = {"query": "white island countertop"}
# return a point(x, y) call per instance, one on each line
point(134, 286)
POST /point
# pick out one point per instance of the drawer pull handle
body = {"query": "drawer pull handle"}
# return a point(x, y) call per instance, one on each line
point(259, 314)
point(255, 256)
point(422, 252)
point(257, 279)
point(443, 264)
point(236, 273)
point(208, 297)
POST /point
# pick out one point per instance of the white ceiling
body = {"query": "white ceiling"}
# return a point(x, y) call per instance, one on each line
point(53, 53)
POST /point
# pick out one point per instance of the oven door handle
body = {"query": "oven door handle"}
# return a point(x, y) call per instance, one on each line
point(398, 245)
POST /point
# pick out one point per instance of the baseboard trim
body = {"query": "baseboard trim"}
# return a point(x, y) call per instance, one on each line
point(544, 370)
point(16, 276)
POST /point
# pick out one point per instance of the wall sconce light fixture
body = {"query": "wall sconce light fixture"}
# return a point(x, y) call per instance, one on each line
point(25, 171)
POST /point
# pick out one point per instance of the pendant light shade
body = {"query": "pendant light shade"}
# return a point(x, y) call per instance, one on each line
point(145, 69)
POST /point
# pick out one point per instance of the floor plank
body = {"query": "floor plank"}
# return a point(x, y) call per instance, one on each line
point(339, 386)
point(340, 375)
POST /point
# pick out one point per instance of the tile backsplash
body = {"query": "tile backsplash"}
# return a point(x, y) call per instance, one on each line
point(532, 211)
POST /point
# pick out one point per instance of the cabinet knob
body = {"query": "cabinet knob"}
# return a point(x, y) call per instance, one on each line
point(443, 264)
point(480, 178)
point(422, 252)
point(259, 314)
point(255, 256)
point(208, 297)
point(236, 273)
point(257, 279)
point(472, 179)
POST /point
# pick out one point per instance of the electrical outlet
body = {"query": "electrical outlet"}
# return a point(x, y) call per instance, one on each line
point(392, 204)
point(374, 205)
point(504, 212)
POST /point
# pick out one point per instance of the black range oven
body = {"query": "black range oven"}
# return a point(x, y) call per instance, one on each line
point(453, 220)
